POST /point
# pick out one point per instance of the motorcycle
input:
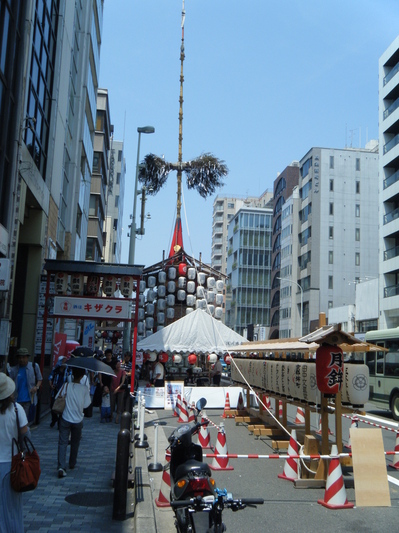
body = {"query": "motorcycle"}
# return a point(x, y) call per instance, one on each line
point(197, 503)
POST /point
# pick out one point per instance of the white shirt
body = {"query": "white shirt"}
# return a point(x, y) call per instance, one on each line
point(77, 399)
point(9, 430)
point(158, 370)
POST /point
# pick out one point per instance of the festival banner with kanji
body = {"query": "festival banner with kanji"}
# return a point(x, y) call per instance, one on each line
point(92, 308)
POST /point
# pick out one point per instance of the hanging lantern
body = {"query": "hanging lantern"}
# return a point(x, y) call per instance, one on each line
point(192, 359)
point(177, 359)
point(109, 285)
point(61, 282)
point(163, 357)
point(126, 286)
point(93, 284)
point(182, 269)
point(212, 358)
point(76, 283)
point(329, 368)
point(227, 359)
point(152, 356)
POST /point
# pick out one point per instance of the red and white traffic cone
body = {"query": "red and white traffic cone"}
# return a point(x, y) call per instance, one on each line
point(191, 414)
point(395, 460)
point(290, 472)
point(266, 402)
point(280, 409)
point(183, 416)
point(319, 430)
point(163, 499)
point(204, 438)
point(355, 424)
point(227, 407)
point(240, 403)
point(300, 416)
point(176, 412)
point(335, 494)
point(167, 456)
point(221, 463)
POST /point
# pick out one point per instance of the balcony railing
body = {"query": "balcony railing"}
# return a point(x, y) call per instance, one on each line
point(391, 108)
point(391, 74)
point(393, 215)
point(393, 290)
point(391, 144)
point(391, 253)
point(390, 180)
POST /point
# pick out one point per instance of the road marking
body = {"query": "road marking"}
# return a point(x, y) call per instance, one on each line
point(393, 480)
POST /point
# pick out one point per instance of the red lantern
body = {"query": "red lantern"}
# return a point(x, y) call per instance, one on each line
point(227, 359)
point(182, 269)
point(93, 284)
point(192, 359)
point(329, 368)
point(163, 357)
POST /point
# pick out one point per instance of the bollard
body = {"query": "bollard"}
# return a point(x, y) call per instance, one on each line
point(142, 441)
point(126, 418)
point(155, 467)
point(137, 421)
point(121, 475)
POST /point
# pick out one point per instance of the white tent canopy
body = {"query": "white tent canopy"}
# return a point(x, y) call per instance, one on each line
point(197, 332)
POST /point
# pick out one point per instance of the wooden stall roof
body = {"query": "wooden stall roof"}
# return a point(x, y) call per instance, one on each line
point(90, 267)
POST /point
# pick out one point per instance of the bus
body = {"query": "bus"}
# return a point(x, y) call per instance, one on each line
point(384, 369)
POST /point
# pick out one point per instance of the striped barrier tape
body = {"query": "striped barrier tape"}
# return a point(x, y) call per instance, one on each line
point(395, 430)
point(282, 456)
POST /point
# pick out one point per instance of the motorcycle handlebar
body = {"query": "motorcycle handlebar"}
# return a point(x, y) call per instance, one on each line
point(252, 501)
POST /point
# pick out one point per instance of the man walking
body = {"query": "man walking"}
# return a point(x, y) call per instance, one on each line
point(28, 379)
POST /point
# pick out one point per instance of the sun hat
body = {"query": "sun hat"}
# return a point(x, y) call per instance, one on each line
point(7, 386)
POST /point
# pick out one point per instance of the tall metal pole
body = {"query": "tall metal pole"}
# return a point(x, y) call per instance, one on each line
point(132, 241)
point(180, 155)
point(298, 285)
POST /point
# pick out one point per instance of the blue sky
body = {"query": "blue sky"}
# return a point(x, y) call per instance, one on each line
point(264, 81)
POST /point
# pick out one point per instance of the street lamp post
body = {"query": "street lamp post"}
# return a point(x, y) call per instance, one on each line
point(133, 231)
point(298, 285)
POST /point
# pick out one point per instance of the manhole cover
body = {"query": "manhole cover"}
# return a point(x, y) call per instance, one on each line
point(90, 499)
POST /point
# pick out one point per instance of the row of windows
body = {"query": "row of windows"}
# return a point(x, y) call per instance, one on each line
point(331, 209)
point(257, 259)
point(357, 163)
point(255, 239)
point(254, 278)
point(252, 220)
point(357, 186)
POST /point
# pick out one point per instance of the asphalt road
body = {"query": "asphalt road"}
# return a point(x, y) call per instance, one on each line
point(286, 508)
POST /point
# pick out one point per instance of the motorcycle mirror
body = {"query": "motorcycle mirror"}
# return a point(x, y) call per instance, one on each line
point(200, 404)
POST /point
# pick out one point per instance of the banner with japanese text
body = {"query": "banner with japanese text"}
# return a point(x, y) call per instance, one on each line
point(92, 308)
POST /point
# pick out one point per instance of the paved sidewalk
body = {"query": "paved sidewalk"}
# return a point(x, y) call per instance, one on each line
point(82, 501)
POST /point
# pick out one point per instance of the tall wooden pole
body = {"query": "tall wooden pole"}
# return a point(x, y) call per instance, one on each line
point(180, 156)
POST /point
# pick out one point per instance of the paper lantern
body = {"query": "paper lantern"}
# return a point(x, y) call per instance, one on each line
point(163, 357)
point(152, 356)
point(109, 285)
point(61, 282)
point(162, 276)
point(182, 269)
point(126, 286)
point(329, 368)
point(227, 359)
point(76, 283)
point(151, 281)
point(212, 358)
point(93, 284)
point(192, 359)
point(177, 359)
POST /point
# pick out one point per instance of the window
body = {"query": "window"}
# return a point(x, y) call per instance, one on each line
point(330, 257)
point(230, 205)
point(118, 178)
point(331, 232)
point(357, 259)
point(331, 211)
point(331, 161)
point(116, 200)
point(330, 304)
point(357, 210)
point(357, 163)
point(357, 187)
point(330, 282)
point(115, 223)
point(357, 234)
point(119, 155)
point(331, 185)
point(78, 221)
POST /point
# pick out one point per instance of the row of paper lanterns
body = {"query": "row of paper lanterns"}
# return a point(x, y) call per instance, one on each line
point(110, 284)
point(178, 359)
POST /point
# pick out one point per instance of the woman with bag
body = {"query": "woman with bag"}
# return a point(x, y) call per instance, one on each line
point(56, 380)
point(77, 398)
point(118, 391)
point(11, 515)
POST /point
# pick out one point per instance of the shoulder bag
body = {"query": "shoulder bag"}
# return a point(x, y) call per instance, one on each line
point(25, 464)
point(60, 401)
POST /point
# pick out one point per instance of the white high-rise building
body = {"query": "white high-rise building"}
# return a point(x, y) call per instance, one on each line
point(389, 187)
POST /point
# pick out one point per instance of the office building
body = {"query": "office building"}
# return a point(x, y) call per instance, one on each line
point(389, 187)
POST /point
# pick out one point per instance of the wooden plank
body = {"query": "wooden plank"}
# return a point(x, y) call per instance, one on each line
point(269, 432)
point(280, 444)
point(369, 468)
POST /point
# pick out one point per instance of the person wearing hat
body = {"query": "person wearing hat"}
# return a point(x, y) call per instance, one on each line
point(28, 378)
point(11, 514)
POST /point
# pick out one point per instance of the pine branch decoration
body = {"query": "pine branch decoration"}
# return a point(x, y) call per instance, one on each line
point(205, 173)
point(153, 173)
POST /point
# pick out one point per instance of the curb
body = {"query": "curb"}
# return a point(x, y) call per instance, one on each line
point(144, 515)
